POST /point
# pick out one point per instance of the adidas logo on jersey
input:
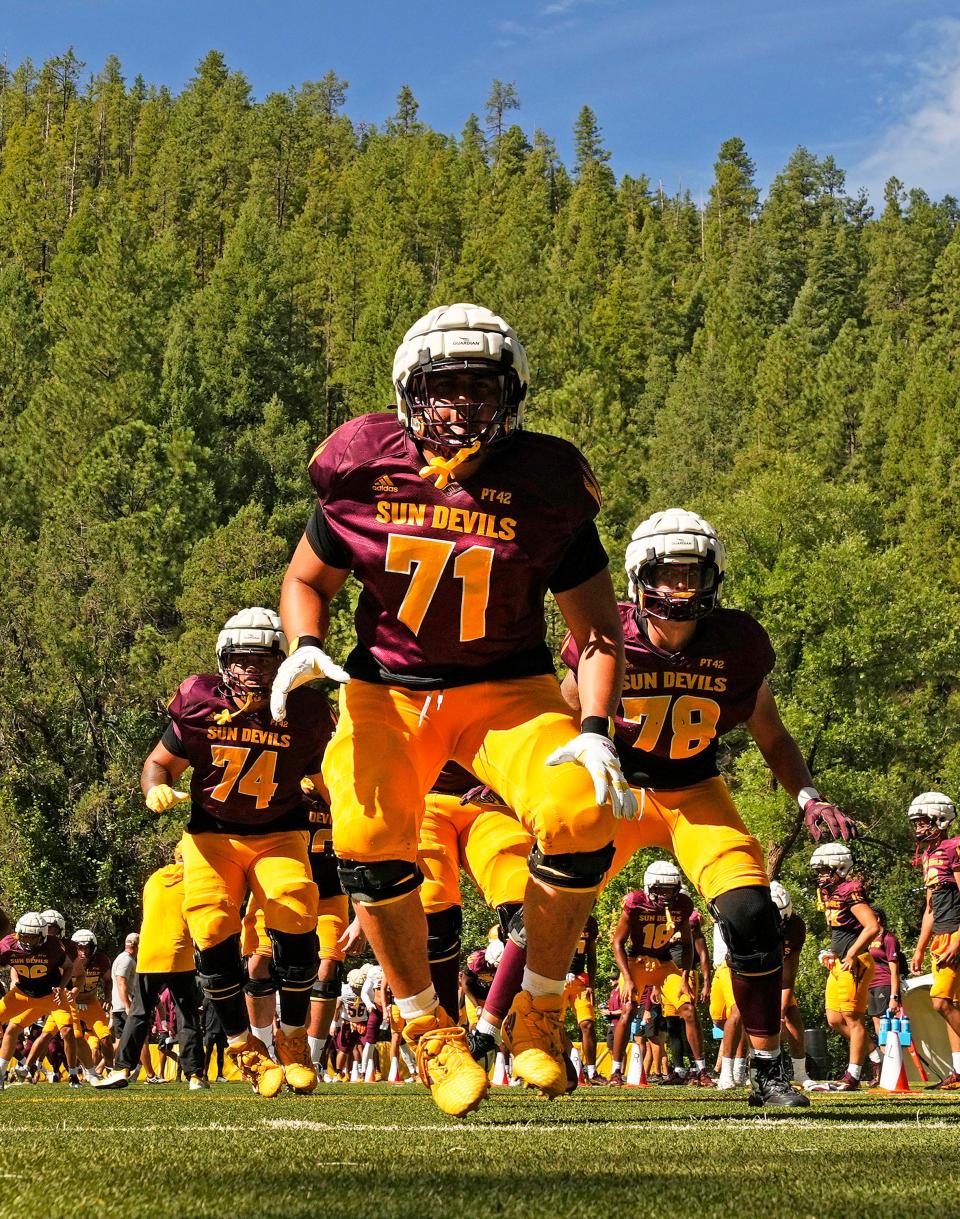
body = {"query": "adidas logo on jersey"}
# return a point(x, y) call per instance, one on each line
point(384, 485)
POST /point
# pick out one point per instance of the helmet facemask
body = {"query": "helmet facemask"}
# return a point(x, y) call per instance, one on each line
point(677, 590)
point(248, 672)
point(664, 894)
point(453, 405)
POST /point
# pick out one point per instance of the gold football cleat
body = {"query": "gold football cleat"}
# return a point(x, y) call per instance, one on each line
point(294, 1055)
point(445, 1064)
point(257, 1066)
point(534, 1034)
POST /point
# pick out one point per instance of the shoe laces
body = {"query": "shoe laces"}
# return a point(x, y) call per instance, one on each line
point(547, 1026)
point(427, 1049)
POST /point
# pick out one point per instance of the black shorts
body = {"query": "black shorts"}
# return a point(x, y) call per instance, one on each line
point(117, 1021)
point(879, 1000)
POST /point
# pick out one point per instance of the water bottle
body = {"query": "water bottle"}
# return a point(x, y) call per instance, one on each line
point(884, 1029)
point(895, 1026)
point(905, 1035)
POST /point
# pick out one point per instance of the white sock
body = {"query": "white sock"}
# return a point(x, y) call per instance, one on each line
point(591, 1070)
point(484, 1026)
point(71, 1071)
point(576, 1059)
point(536, 985)
point(875, 1056)
point(853, 1069)
point(799, 1068)
point(681, 1071)
point(726, 1064)
point(617, 1066)
point(955, 1055)
point(699, 1063)
point(408, 1059)
point(290, 1030)
point(424, 1003)
point(264, 1034)
point(316, 1048)
point(740, 1069)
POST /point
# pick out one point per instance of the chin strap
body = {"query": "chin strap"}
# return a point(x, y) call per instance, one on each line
point(444, 468)
point(226, 715)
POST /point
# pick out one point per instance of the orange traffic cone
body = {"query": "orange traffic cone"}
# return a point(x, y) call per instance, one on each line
point(893, 1072)
point(500, 1079)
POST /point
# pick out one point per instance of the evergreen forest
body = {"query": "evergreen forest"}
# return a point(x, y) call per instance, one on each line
point(197, 287)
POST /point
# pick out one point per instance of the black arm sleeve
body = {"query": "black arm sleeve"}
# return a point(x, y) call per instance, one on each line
point(172, 743)
point(325, 545)
point(582, 559)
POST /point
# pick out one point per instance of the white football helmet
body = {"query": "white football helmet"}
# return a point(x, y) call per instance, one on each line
point(675, 537)
point(256, 635)
point(356, 979)
point(493, 953)
point(930, 814)
point(30, 926)
point(832, 855)
point(460, 338)
point(53, 918)
point(662, 878)
point(781, 899)
point(84, 938)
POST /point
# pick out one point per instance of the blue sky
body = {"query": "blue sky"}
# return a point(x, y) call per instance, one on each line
point(875, 83)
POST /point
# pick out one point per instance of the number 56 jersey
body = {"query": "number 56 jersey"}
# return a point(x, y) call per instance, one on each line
point(453, 580)
point(676, 706)
point(246, 768)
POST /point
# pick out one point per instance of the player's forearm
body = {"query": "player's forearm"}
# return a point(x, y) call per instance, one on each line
point(600, 679)
point(153, 774)
point(783, 756)
point(303, 610)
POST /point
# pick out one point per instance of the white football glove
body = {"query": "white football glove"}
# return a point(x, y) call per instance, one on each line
point(306, 664)
point(597, 755)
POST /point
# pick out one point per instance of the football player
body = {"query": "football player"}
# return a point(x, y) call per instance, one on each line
point(84, 1010)
point(694, 672)
point(931, 815)
point(247, 831)
point(647, 923)
point(166, 981)
point(794, 938)
point(456, 522)
point(578, 994)
point(853, 924)
point(43, 969)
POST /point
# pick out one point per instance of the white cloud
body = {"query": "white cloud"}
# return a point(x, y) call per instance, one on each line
point(921, 146)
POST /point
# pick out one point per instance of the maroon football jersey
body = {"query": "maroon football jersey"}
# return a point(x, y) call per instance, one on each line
point(39, 970)
point(676, 706)
point(323, 861)
point(88, 977)
point(453, 581)
point(246, 770)
point(794, 935)
point(588, 936)
point(652, 925)
point(939, 865)
point(837, 901)
point(884, 948)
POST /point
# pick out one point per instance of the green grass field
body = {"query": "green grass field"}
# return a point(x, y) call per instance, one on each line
point(383, 1151)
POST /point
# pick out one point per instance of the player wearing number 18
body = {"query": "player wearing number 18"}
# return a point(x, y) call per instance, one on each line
point(456, 523)
point(247, 832)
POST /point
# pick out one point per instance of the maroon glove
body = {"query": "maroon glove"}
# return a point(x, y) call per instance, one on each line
point(820, 817)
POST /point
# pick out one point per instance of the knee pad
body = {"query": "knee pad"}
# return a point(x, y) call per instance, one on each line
point(443, 934)
point(328, 988)
point(511, 923)
point(578, 870)
point(260, 986)
point(751, 928)
point(371, 884)
point(221, 973)
point(295, 960)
